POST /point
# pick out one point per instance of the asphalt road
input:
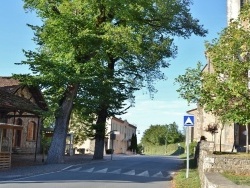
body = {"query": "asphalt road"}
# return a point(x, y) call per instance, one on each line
point(123, 171)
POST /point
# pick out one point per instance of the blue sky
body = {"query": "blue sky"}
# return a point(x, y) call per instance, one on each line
point(166, 107)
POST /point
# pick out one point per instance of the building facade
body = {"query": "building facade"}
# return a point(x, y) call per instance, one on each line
point(229, 135)
point(118, 137)
point(224, 137)
point(20, 111)
point(123, 133)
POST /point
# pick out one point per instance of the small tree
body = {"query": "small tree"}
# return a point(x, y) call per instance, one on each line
point(212, 129)
point(134, 143)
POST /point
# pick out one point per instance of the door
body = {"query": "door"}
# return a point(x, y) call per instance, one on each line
point(17, 142)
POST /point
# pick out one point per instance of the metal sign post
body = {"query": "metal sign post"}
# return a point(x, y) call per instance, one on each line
point(112, 137)
point(188, 122)
point(187, 145)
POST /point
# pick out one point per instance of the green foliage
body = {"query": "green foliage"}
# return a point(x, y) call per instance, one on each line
point(45, 143)
point(159, 135)
point(180, 180)
point(154, 150)
point(111, 48)
point(225, 92)
point(239, 179)
point(190, 84)
point(140, 148)
point(155, 135)
point(170, 149)
point(174, 135)
point(81, 127)
point(192, 147)
point(133, 146)
point(105, 49)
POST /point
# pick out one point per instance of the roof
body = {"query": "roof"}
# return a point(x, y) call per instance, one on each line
point(11, 102)
point(11, 85)
point(123, 121)
point(192, 110)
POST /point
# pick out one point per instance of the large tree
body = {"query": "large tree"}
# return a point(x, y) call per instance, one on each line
point(97, 53)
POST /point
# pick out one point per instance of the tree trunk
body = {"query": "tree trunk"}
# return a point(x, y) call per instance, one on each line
point(57, 148)
point(247, 143)
point(100, 134)
point(221, 134)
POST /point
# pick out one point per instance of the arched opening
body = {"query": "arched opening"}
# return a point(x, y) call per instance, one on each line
point(31, 132)
point(18, 133)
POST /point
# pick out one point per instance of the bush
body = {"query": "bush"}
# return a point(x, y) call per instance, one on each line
point(81, 150)
point(109, 151)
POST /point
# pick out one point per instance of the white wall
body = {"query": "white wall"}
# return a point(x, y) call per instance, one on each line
point(233, 9)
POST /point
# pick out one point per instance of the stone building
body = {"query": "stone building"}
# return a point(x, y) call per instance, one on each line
point(21, 108)
point(225, 134)
point(231, 134)
point(123, 131)
point(122, 140)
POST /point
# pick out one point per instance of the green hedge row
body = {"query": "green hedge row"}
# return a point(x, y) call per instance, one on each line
point(170, 149)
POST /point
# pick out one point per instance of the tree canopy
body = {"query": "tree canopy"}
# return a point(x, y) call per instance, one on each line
point(93, 55)
point(190, 84)
point(225, 90)
point(162, 134)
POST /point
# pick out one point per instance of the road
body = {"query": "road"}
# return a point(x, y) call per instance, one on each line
point(122, 172)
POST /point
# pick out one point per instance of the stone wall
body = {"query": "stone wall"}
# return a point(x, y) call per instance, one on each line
point(208, 163)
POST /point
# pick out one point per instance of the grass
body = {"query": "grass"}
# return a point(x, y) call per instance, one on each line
point(180, 180)
point(193, 180)
point(238, 179)
point(238, 154)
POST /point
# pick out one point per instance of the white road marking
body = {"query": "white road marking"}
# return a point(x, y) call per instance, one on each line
point(118, 171)
point(75, 169)
point(158, 175)
point(131, 172)
point(88, 170)
point(145, 173)
point(102, 171)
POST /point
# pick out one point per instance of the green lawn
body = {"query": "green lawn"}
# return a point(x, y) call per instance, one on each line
point(193, 180)
point(238, 179)
point(180, 180)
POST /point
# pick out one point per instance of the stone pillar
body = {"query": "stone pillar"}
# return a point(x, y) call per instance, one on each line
point(206, 148)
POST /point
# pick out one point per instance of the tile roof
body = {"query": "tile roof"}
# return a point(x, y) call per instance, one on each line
point(11, 85)
point(11, 102)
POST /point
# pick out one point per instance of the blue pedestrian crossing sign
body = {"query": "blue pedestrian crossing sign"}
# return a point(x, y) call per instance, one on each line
point(189, 120)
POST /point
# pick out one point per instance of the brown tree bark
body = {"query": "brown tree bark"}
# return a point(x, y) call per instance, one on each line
point(247, 142)
point(100, 134)
point(57, 148)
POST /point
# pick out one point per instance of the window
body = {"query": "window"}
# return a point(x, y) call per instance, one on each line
point(31, 132)
point(3, 118)
point(4, 133)
point(19, 121)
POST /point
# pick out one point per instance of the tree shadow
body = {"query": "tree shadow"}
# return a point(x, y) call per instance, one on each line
point(178, 151)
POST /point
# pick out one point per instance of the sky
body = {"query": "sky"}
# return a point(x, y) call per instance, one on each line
point(166, 107)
